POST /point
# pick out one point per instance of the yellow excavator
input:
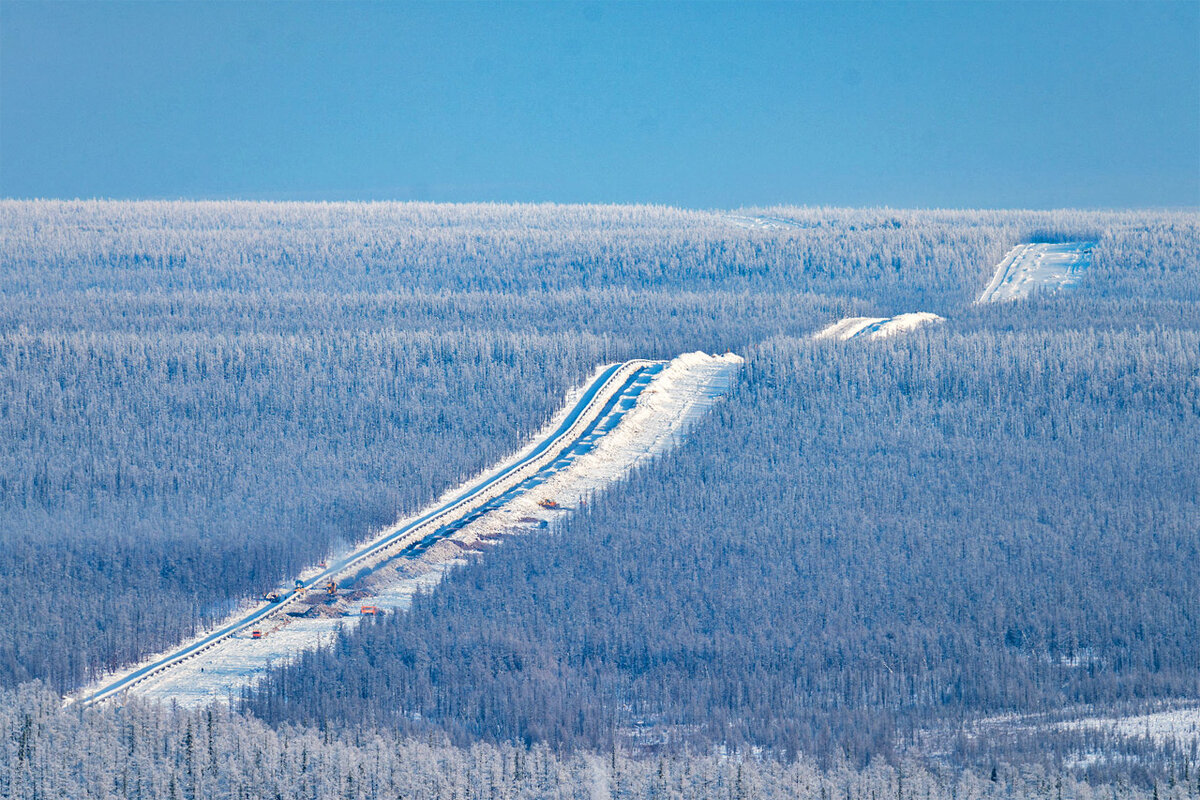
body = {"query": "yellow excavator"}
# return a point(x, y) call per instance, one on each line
point(276, 596)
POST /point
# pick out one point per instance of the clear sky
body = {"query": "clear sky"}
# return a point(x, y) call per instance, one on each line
point(991, 104)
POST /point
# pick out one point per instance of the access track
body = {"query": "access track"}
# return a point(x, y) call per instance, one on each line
point(418, 534)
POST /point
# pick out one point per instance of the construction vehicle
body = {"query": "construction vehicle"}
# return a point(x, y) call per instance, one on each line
point(300, 587)
point(331, 588)
point(546, 502)
point(368, 610)
point(255, 634)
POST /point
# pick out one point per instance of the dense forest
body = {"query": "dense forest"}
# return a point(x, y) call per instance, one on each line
point(198, 398)
point(866, 542)
point(144, 752)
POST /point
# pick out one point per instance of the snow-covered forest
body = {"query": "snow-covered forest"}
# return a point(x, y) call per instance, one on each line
point(959, 525)
point(868, 544)
point(141, 751)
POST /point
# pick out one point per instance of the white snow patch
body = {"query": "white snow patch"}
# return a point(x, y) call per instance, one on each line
point(903, 323)
point(876, 327)
point(847, 328)
point(674, 400)
point(1027, 267)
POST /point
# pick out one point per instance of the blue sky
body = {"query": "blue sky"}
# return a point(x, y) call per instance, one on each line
point(988, 104)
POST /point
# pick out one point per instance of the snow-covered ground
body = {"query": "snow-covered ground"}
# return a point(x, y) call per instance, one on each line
point(1037, 266)
point(645, 421)
point(1179, 723)
point(1182, 725)
point(761, 223)
point(876, 327)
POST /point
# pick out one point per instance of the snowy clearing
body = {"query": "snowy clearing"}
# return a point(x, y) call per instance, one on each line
point(1029, 267)
point(648, 417)
point(762, 223)
point(876, 327)
point(1181, 725)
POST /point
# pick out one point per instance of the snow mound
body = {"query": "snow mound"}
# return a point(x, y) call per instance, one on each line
point(876, 327)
